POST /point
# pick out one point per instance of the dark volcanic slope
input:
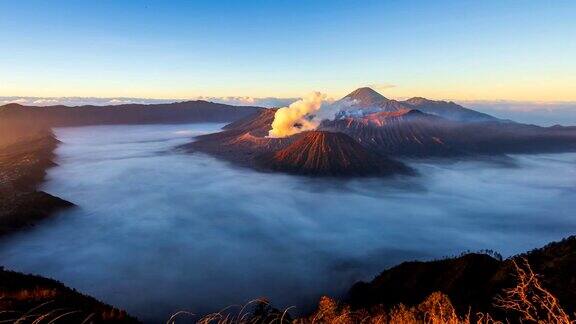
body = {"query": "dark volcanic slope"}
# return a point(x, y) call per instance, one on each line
point(471, 280)
point(257, 124)
point(319, 153)
point(31, 296)
point(242, 140)
point(175, 113)
point(23, 163)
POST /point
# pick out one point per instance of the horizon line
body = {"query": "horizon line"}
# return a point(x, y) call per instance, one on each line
point(8, 99)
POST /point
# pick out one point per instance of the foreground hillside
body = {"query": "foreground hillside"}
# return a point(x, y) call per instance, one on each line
point(33, 299)
point(537, 286)
point(471, 280)
point(472, 288)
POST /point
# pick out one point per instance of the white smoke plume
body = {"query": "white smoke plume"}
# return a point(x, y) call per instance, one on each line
point(297, 117)
point(305, 114)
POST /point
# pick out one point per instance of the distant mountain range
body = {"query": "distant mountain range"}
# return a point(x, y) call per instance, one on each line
point(173, 113)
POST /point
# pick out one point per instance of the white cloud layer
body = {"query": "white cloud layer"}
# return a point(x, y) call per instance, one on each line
point(81, 101)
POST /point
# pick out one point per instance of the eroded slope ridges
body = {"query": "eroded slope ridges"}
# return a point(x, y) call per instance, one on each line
point(321, 153)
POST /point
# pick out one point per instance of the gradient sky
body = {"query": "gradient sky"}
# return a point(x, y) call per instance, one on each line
point(518, 50)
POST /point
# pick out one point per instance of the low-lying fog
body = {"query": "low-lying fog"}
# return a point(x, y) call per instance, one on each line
point(158, 231)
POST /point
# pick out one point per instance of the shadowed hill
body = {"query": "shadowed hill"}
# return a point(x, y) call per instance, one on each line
point(27, 298)
point(472, 280)
point(258, 124)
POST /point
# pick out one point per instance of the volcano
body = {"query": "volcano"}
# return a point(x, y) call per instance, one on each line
point(321, 153)
point(366, 97)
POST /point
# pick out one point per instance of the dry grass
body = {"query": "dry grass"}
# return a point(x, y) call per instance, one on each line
point(43, 314)
point(30, 294)
point(254, 312)
point(48, 313)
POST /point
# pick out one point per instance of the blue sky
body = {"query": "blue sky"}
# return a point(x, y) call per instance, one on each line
point(518, 50)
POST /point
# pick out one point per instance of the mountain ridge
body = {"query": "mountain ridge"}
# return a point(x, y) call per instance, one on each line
point(369, 101)
point(128, 114)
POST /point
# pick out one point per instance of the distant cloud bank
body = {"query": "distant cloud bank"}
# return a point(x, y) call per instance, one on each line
point(82, 101)
point(79, 101)
point(268, 102)
point(539, 113)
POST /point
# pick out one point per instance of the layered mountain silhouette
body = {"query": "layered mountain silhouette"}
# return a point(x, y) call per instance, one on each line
point(174, 113)
point(415, 128)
